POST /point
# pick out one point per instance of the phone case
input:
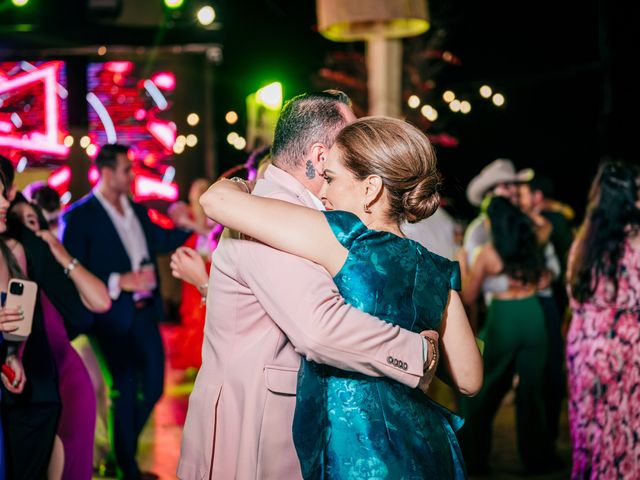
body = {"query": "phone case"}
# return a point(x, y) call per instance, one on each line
point(8, 371)
point(27, 300)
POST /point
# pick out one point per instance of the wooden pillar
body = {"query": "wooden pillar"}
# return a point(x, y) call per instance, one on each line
point(384, 67)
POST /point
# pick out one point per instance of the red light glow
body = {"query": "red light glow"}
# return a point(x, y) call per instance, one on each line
point(60, 178)
point(160, 219)
point(119, 67)
point(47, 142)
point(164, 80)
point(147, 188)
point(93, 175)
point(164, 132)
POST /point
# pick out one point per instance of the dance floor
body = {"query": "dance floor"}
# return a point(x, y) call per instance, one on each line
point(160, 442)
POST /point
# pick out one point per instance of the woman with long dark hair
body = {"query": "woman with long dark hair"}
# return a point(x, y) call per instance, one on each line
point(603, 347)
point(36, 428)
point(515, 341)
point(12, 265)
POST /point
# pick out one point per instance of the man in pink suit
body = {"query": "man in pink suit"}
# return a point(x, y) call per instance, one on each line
point(266, 308)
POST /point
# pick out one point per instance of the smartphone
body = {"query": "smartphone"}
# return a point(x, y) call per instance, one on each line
point(22, 293)
point(8, 371)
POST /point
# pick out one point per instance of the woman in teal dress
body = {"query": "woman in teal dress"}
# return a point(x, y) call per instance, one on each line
point(380, 172)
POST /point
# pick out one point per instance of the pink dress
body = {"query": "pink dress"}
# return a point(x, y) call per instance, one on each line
point(603, 360)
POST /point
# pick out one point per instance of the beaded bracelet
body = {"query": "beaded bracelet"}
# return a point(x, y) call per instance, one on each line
point(69, 268)
point(434, 358)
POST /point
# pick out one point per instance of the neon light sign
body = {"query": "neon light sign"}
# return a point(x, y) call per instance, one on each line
point(35, 141)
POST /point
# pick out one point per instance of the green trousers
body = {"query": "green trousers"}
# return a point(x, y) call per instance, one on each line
point(515, 343)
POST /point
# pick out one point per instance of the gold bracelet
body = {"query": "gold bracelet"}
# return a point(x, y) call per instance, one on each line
point(241, 181)
point(434, 358)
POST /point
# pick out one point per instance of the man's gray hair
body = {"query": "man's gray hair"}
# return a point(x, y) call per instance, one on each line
point(304, 120)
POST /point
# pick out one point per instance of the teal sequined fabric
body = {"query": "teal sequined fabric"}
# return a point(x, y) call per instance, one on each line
point(349, 426)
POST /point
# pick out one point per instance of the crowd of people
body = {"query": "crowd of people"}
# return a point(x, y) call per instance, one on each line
point(335, 295)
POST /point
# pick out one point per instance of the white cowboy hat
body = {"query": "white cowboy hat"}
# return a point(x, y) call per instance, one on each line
point(498, 171)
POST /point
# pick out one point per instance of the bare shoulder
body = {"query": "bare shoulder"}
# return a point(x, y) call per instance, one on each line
point(491, 261)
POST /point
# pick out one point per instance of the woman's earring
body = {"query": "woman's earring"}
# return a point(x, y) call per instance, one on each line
point(366, 208)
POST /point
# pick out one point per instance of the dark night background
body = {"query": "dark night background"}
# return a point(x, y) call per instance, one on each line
point(565, 69)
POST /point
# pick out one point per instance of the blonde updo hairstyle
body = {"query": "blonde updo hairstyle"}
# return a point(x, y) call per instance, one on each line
point(402, 156)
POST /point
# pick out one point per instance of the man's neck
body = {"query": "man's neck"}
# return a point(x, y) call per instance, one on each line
point(110, 196)
point(300, 175)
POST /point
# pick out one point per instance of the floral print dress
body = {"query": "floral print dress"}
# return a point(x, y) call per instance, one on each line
point(603, 359)
point(348, 426)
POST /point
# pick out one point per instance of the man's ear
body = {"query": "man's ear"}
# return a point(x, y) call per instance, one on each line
point(317, 154)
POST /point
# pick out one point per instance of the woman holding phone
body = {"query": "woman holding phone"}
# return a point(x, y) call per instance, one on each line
point(60, 390)
point(12, 265)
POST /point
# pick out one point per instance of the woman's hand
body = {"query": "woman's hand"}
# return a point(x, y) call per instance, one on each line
point(57, 249)
point(17, 386)
point(188, 265)
point(9, 317)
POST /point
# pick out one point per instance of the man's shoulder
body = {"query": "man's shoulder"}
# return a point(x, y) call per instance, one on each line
point(80, 207)
point(269, 189)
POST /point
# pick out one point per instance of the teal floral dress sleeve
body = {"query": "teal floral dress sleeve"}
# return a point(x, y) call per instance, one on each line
point(350, 426)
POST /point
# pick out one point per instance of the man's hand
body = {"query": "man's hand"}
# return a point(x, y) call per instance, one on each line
point(180, 215)
point(433, 356)
point(545, 280)
point(188, 265)
point(141, 281)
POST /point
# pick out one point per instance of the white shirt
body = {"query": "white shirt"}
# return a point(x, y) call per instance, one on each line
point(131, 234)
point(316, 201)
point(436, 233)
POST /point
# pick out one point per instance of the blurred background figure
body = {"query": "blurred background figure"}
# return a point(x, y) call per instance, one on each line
point(185, 341)
point(437, 233)
point(515, 342)
point(48, 200)
point(498, 179)
point(554, 233)
point(116, 239)
point(603, 344)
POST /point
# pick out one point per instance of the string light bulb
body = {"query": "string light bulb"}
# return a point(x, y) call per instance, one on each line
point(498, 99)
point(485, 91)
point(414, 101)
